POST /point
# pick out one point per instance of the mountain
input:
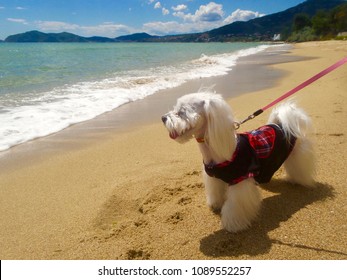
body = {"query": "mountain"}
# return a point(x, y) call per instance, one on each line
point(137, 37)
point(37, 36)
point(99, 39)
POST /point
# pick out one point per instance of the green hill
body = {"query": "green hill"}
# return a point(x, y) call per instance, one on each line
point(137, 37)
point(37, 36)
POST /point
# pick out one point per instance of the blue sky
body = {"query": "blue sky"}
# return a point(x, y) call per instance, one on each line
point(112, 18)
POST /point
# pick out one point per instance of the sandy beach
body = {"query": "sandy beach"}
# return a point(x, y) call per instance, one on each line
point(133, 193)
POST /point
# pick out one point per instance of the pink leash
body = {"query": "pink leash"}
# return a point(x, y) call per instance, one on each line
point(294, 90)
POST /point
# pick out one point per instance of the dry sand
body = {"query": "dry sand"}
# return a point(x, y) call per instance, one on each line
point(139, 195)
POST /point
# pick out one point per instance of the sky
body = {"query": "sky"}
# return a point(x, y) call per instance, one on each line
point(113, 18)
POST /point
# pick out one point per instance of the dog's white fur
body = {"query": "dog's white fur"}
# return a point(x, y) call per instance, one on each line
point(207, 116)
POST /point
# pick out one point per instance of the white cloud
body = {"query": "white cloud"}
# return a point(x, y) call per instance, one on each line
point(20, 8)
point(165, 11)
point(174, 27)
point(180, 14)
point(108, 29)
point(165, 28)
point(17, 20)
point(207, 17)
point(209, 13)
point(157, 5)
point(179, 8)
point(56, 26)
point(242, 15)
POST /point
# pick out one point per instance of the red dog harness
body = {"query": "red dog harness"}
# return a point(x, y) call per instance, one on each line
point(259, 154)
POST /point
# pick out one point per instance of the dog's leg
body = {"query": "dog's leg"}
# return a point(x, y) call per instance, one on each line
point(215, 192)
point(300, 165)
point(242, 205)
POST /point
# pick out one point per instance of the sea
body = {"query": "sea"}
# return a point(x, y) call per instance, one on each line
point(46, 87)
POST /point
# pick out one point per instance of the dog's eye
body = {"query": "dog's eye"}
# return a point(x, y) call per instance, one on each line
point(181, 113)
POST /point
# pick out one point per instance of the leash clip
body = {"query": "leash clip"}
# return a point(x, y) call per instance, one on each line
point(250, 117)
point(237, 125)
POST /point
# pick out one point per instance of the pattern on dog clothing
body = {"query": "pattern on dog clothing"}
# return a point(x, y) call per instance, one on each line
point(258, 154)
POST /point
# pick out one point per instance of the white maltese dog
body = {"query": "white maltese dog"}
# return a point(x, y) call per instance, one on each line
point(234, 164)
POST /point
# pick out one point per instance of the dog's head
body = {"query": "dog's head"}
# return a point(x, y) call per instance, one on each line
point(203, 115)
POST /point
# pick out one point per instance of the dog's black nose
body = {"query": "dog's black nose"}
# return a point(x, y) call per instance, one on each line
point(164, 119)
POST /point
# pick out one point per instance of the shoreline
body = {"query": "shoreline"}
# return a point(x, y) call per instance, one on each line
point(148, 110)
point(137, 195)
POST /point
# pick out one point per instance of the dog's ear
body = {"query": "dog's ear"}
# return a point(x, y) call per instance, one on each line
point(220, 132)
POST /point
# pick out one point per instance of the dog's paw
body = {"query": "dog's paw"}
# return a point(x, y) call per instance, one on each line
point(216, 210)
point(235, 225)
point(215, 207)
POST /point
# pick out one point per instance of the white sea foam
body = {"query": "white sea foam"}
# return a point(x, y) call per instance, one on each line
point(63, 106)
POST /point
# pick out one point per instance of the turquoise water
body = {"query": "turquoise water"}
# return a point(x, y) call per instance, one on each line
point(46, 87)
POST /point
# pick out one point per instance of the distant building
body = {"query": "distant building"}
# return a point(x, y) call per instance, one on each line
point(276, 37)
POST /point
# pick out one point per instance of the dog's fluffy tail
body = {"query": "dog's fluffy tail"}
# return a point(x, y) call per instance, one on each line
point(300, 165)
point(293, 120)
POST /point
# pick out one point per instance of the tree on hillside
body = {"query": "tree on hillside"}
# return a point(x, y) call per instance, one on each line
point(302, 30)
point(301, 21)
point(321, 23)
point(338, 18)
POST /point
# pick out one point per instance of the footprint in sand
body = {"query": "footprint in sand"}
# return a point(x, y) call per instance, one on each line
point(175, 218)
point(184, 201)
point(137, 255)
point(153, 200)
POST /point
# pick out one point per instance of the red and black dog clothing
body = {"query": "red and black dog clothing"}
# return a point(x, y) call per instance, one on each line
point(259, 154)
